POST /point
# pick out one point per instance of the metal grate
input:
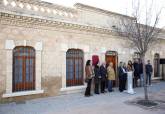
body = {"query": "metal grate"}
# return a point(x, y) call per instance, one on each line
point(74, 67)
point(23, 68)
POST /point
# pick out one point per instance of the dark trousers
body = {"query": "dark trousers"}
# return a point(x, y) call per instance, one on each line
point(88, 89)
point(97, 88)
point(122, 84)
point(110, 85)
point(148, 80)
point(103, 86)
point(106, 83)
point(135, 81)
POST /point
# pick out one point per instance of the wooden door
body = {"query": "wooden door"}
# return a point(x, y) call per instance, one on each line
point(156, 65)
point(23, 69)
point(112, 57)
point(74, 67)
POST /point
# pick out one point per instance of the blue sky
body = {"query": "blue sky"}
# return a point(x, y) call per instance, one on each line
point(119, 6)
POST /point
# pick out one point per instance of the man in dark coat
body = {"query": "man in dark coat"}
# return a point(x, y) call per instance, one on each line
point(149, 71)
point(136, 72)
point(103, 73)
point(122, 77)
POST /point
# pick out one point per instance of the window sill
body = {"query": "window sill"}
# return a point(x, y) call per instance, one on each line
point(23, 93)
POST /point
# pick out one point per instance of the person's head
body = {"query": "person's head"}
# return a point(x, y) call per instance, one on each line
point(88, 62)
point(129, 62)
point(140, 61)
point(124, 64)
point(97, 63)
point(148, 61)
point(111, 64)
point(135, 60)
point(121, 64)
point(103, 63)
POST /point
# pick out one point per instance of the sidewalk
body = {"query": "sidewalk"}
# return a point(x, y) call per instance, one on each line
point(108, 103)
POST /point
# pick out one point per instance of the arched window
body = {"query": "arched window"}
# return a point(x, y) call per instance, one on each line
point(74, 67)
point(23, 68)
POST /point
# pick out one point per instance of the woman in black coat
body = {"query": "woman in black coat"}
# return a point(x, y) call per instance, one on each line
point(97, 78)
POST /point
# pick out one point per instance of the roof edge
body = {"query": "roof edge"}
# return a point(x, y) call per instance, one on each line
point(83, 6)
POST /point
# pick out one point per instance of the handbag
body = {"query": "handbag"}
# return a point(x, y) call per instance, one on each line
point(86, 80)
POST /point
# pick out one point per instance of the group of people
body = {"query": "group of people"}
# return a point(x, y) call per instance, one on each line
point(101, 77)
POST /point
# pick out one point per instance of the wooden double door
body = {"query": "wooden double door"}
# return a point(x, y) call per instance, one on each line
point(23, 68)
point(74, 67)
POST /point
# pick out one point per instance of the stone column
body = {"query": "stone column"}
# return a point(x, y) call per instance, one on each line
point(63, 69)
point(9, 62)
point(38, 70)
point(9, 46)
point(38, 67)
point(64, 48)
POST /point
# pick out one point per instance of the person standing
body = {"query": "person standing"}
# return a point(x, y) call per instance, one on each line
point(141, 74)
point(136, 72)
point(130, 66)
point(88, 73)
point(125, 70)
point(122, 77)
point(103, 73)
point(97, 77)
point(149, 71)
point(111, 76)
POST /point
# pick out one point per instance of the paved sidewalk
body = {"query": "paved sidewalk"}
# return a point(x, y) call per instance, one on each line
point(108, 103)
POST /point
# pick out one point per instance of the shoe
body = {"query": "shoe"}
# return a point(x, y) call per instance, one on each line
point(87, 95)
point(97, 93)
point(121, 90)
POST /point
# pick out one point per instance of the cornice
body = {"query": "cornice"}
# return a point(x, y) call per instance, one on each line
point(38, 8)
point(33, 22)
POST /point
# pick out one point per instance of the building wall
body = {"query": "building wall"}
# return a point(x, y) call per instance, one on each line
point(51, 44)
point(55, 45)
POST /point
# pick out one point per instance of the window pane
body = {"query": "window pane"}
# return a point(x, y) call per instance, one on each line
point(20, 70)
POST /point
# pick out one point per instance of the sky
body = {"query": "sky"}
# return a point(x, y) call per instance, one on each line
point(118, 6)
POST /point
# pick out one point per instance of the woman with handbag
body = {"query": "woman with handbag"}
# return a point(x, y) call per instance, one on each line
point(88, 78)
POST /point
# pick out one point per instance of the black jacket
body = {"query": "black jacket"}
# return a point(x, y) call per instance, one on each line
point(103, 72)
point(122, 75)
point(149, 68)
point(97, 73)
point(136, 68)
point(141, 68)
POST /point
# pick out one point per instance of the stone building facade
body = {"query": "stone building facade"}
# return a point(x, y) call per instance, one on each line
point(62, 40)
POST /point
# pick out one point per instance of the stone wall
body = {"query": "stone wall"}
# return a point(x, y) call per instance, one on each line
point(55, 44)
